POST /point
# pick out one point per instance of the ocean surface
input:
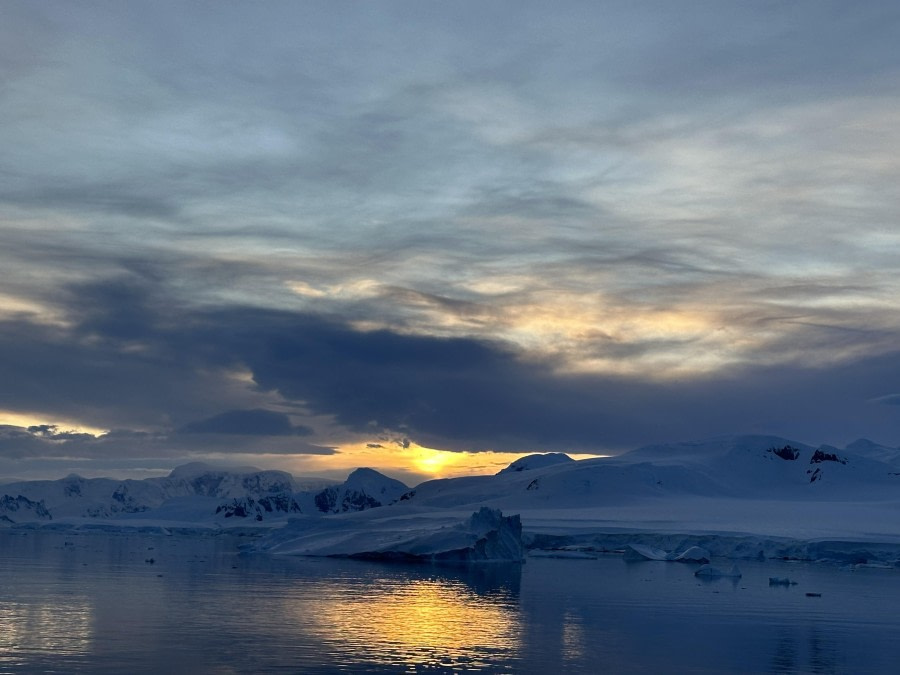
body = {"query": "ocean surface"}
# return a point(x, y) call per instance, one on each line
point(114, 603)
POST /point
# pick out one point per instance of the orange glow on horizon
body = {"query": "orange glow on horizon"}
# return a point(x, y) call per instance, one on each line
point(413, 463)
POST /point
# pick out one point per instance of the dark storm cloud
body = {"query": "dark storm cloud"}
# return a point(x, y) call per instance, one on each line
point(25, 454)
point(475, 395)
point(19, 443)
point(247, 423)
point(121, 355)
point(460, 393)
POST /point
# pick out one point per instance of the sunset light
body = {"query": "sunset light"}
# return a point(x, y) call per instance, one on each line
point(377, 337)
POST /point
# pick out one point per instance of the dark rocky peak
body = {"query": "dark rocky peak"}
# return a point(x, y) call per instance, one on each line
point(72, 485)
point(787, 452)
point(10, 504)
point(248, 507)
point(820, 456)
point(363, 489)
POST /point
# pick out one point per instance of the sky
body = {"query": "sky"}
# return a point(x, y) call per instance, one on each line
point(429, 237)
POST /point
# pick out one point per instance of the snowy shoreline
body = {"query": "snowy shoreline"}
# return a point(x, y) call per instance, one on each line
point(325, 537)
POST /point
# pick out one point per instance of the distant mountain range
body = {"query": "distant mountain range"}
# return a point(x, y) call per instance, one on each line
point(195, 492)
point(727, 487)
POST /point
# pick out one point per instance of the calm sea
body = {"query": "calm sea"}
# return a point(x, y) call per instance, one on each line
point(174, 604)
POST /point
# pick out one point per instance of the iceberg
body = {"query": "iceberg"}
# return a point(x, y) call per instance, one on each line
point(637, 552)
point(709, 572)
point(695, 554)
point(485, 536)
point(781, 581)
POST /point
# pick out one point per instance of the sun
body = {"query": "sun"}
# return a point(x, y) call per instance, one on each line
point(431, 461)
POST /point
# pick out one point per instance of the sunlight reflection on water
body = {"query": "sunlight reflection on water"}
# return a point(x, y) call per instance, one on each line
point(54, 625)
point(417, 622)
point(94, 603)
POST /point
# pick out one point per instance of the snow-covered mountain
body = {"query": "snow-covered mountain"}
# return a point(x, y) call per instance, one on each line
point(195, 492)
point(538, 461)
point(737, 467)
point(363, 489)
point(866, 448)
point(734, 488)
point(737, 495)
point(105, 497)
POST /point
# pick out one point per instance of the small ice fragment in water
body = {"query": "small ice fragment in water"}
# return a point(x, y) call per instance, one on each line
point(781, 581)
point(709, 572)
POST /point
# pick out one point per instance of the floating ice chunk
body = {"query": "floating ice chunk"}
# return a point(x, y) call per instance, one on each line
point(485, 536)
point(637, 552)
point(693, 554)
point(781, 581)
point(709, 572)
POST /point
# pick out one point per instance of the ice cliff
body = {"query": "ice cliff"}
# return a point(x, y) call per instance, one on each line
point(485, 536)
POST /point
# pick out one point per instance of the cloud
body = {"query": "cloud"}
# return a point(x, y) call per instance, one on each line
point(462, 393)
point(41, 452)
point(888, 399)
point(247, 423)
point(610, 227)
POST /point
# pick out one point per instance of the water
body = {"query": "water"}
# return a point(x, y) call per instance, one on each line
point(95, 603)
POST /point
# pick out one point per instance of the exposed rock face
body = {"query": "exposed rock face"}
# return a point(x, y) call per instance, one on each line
point(124, 502)
point(336, 500)
point(363, 489)
point(18, 504)
point(72, 485)
point(75, 496)
point(244, 507)
point(788, 452)
point(819, 456)
point(225, 484)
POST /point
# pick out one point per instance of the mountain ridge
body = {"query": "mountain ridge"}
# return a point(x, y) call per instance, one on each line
point(728, 487)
